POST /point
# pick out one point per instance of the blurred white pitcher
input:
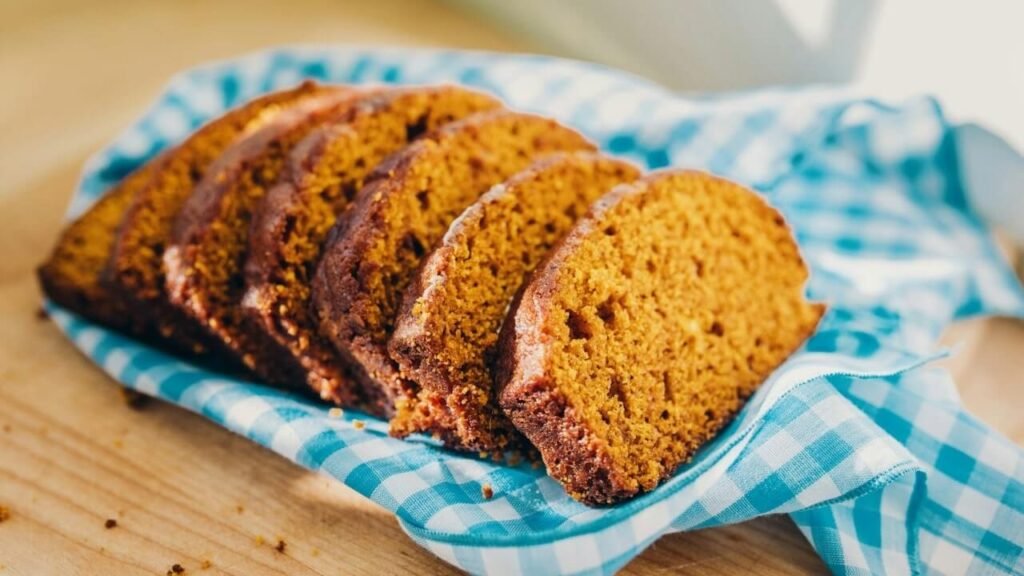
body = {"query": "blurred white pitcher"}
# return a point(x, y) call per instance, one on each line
point(702, 44)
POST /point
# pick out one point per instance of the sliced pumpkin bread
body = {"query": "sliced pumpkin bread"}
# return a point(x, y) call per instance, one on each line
point(72, 276)
point(647, 329)
point(206, 250)
point(447, 334)
point(81, 274)
point(403, 211)
point(323, 174)
point(135, 270)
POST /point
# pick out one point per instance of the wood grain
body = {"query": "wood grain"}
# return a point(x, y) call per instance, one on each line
point(183, 491)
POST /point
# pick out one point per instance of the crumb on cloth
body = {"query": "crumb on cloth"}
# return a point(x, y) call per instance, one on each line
point(487, 491)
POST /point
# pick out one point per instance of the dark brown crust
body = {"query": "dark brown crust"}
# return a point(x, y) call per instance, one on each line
point(416, 350)
point(338, 300)
point(326, 371)
point(187, 290)
point(148, 304)
point(573, 455)
point(336, 282)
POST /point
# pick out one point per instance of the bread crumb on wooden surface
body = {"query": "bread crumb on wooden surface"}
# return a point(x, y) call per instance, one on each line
point(280, 546)
point(134, 399)
point(110, 523)
point(176, 569)
point(205, 565)
point(239, 508)
point(5, 513)
point(41, 313)
point(260, 540)
point(315, 552)
point(488, 491)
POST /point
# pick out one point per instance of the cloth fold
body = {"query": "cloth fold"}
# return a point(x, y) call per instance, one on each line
point(856, 437)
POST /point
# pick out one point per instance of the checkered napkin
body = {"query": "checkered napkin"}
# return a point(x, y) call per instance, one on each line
point(863, 444)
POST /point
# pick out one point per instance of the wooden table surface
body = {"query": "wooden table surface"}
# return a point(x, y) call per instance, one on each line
point(181, 490)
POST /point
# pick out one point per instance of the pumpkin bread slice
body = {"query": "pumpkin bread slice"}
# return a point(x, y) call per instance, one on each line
point(649, 326)
point(134, 271)
point(207, 247)
point(324, 172)
point(403, 211)
point(447, 333)
point(72, 276)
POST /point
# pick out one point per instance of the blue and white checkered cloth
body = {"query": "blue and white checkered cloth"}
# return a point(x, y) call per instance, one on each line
point(868, 449)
